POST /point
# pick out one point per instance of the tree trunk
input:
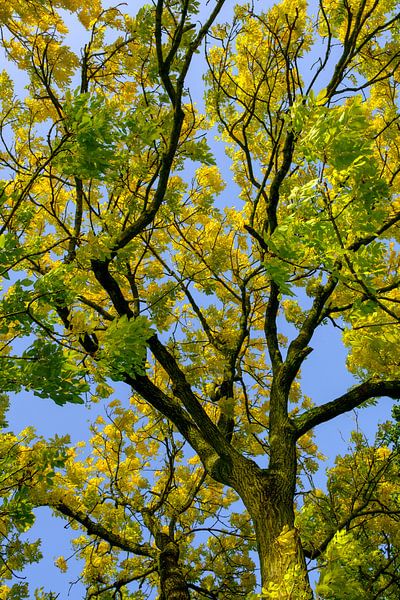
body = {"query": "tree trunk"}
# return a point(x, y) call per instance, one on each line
point(172, 581)
point(282, 563)
point(269, 498)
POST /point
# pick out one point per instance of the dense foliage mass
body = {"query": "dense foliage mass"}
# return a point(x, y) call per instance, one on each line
point(127, 257)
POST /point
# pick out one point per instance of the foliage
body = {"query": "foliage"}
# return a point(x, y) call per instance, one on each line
point(25, 462)
point(358, 517)
point(130, 255)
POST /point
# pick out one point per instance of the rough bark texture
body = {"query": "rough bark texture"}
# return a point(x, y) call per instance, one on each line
point(268, 495)
point(269, 500)
point(278, 543)
point(172, 581)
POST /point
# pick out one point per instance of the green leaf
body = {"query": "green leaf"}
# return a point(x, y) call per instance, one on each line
point(125, 346)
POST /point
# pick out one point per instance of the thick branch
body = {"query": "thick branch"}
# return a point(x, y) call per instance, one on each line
point(110, 285)
point(172, 580)
point(280, 175)
point(270, 327)
point(353, 398)
point(183, 391)
point(77, 221)
point(163, 65)
point(205, 428)
point(171, 409)
point(356, 245)
point(93, 528)
point(166, 405)
point(198, 40)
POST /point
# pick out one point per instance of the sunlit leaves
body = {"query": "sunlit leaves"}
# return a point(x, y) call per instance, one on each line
point(135, 482)
point(362, 500)
point(53, 373)
point(94, 136)
point(124, 348)
point(343, 556)
point(25, 462)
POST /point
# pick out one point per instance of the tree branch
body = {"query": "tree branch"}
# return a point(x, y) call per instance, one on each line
point(147, 216)
point(183, 391)
point(352, 399)
point(298, 348)
point(93, 528)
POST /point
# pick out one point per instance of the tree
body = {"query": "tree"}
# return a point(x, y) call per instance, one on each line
point(124, 266)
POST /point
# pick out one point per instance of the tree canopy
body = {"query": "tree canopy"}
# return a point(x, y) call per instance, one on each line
point(188, 194)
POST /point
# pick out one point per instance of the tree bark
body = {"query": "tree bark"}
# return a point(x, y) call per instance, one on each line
point(269, 498)
point(282, 563)
point(172, 581)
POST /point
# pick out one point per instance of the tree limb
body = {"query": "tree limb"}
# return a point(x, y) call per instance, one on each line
point(348, 401)
point(96, 529)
